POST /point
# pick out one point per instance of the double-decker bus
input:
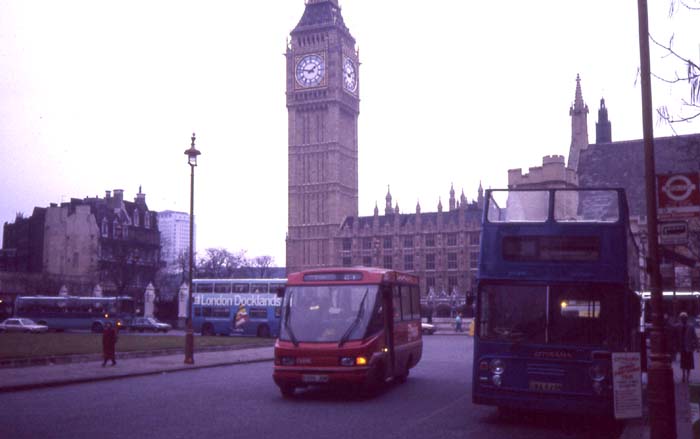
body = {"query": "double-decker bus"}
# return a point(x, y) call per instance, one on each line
point(76, 312)
point(351, 326)
point(556, 298)
point(248, 307)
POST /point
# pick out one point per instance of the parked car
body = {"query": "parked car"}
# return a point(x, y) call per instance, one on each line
point(427, 328)
point(22, 325)
point(142, 324)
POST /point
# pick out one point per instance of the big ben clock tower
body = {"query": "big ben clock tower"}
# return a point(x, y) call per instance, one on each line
point(323, 104)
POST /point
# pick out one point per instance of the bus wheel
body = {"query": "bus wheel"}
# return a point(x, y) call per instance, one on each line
point(374, 382)
point(287, 391)
point(207, 329)
point(97, 327)
point(263, 331)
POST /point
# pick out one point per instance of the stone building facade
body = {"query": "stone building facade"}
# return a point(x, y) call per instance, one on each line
point(323, 107)
point(81, 244)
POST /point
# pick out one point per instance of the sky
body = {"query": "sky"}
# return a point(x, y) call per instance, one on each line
point(100, 95)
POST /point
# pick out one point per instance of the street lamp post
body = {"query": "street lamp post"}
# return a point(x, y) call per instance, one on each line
point(191, 154)
point(662, 410)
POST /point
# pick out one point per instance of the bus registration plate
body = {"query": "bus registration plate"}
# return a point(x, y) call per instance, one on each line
point(543, 386)
point(314, 378)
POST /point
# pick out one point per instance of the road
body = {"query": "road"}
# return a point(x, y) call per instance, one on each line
point(241, 401)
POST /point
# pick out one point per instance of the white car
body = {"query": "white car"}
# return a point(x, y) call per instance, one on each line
point(22, 325)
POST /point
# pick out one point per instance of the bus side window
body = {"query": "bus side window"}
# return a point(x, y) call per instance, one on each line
point(406, 303)
point(396, 296)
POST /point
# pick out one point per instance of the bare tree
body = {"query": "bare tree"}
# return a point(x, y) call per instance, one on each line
point(220, 263)
point(687, 71)
point(261, 265)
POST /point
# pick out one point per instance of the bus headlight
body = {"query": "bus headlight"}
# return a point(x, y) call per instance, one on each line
point(497, 366)
point(353, 361)
point(597, 373)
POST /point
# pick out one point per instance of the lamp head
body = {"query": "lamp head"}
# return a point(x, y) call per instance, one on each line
point(192, 153)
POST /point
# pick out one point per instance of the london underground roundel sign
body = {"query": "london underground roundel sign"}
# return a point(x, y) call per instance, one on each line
point(679, 194)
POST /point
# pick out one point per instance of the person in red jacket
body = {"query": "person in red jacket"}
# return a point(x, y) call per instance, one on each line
point(109, 342)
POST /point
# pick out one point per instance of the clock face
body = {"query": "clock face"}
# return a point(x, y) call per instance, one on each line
point(349, 75)
point(310, 70)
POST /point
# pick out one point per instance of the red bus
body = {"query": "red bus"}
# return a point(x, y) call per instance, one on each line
point(356, 327)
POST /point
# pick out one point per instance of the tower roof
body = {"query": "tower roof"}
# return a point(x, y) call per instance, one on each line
point(321, 13)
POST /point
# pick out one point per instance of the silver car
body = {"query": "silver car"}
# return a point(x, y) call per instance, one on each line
point(22, 325)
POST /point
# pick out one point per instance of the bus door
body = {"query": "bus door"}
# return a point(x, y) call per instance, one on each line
point(387, 305)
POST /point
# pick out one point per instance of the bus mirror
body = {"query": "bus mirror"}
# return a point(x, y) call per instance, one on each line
point(280, 292)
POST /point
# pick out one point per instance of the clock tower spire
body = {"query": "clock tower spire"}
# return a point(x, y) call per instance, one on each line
point(323, 107)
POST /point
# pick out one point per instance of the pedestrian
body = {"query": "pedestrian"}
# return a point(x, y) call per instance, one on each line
point(687, 343)
point(458, 322)
point(109, 342)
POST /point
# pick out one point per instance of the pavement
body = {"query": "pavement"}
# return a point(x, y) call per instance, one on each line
point(83, 369)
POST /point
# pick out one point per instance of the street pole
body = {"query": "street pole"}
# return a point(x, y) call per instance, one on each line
point(662, 410)
point(192, 154)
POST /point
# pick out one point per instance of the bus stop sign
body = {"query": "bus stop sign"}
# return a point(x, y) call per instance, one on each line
point(679, 195)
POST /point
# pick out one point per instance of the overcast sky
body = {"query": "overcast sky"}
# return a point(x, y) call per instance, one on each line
point(99, 95)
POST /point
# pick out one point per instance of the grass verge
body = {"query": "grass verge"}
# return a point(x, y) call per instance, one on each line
point(65, 343)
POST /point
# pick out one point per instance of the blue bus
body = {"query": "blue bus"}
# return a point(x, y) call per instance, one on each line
point(557, 296)
point(76, 312)
point(237, 306)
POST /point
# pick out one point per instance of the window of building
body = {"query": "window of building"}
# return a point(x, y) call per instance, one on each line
point(474, 260)
point(430, 240)
point(147, 220)
point(452, 261)
point(430, 282)
point(408, 241)
point(347, 244)
point(367, 261)
point(451, 283)
point(136, 217)
point(116, 230)
point(430, 262)
point(387, 242)
point(451, 239)
point(367, 243)
point(474, 238)
point(388, 260)
point(347, 261)
point(408, 262)
point(105, 228)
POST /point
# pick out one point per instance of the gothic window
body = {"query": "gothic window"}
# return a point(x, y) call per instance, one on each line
point(474, 239)
point(451, 283)
point(347, 244)
point(430, 240)
point(408, 262)
point(408, 241)
point(387, 242)
point(452, 261)
point(104, 230)
point(136, 218)
point(451, 239)
point(388, 261)
point(347, 261)
point(367, 243)
point(473, 260)
point(430, 261)
point(147, 220)
point(367, 261)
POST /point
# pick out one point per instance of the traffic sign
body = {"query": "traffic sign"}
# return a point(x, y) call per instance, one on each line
point(679, 195)
point(673, 233)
